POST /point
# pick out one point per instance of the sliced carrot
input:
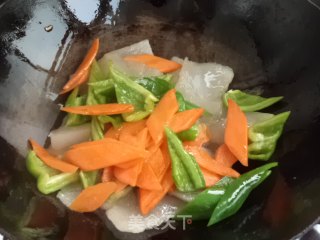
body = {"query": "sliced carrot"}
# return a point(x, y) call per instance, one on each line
point(113, 133)
point(129, 175)
point(133, 128)
point(162, 115)
point(210, 178)
point(51, 160)
point(80, 76)
point(236, 133)
point(224, 156)
point(207, 162)
point(120, 185)
point(158, 163)
point(185, 120)
point(143, 138)
point(148, 200)
point(129, 164)
point(107, 174)
point(148, 179)
point(100, 109)
point(83, 77)
point(103, 153)
point(93, 197)
point(162, 64)
point(202, 138)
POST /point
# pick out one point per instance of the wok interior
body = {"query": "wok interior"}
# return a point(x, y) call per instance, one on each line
point(273, 47)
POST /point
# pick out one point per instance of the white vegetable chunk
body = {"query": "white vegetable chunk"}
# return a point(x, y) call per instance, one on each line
point(204, 84)
point(69, 193)
point(133, 69)
point(126, 217)
point(64, 137)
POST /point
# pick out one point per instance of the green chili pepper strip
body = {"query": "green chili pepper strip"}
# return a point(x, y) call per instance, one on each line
point(264, 135)
point(238, 191)
point(249, 102)
point(74, 100)
point(157, 85)
point(48, 179)
point(204, 203)
point(190, 134)
point(178, 156)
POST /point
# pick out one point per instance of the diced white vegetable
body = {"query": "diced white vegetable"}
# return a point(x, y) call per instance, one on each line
point(255, 117)
point(204, 84)
point(69, 193)
point(175, 74)
point(184, 196)
point(126, 217)
point(133, 69)
point(64, 137)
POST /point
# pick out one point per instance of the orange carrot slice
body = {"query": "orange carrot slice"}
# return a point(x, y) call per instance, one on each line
point(185, 120)
point(207, 162)
point(113, 133)
point(148, 179)
point(148, 200)
point(100, 109)
point(103, 153)
point(210, 178)
point(162, 64)
point(107, 174)
point(158, 163)
point(93, 197)
point(202, 137)
point(236, 133)
point(50, 160)
point(130, 175)
point(162, 115)
point(224, 156)
point(81, 75)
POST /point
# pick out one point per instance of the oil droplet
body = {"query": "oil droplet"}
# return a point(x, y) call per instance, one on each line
point(48, 28)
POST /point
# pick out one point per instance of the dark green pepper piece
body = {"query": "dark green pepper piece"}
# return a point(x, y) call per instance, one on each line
point(48, 179)
point(263, 136)
point(204, 203)
point(130, 92)
point(249, 102)
point(185, 169)
point(238, 191)
point(157, 85)
point(72, 101)
point(190, 134)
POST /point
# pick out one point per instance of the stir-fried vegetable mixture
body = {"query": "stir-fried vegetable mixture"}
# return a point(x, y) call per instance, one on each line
point(140, 126)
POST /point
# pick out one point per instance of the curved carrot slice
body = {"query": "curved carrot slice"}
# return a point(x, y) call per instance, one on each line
point(50, 160)
point(113, 133)
point(93, 197)
point(158, 163)
point(148, 179)
point(78, 77)
point(148, 200)
point(202, 137)
point(224, 156)
point(210, 178)
point(184, 120)
point(103, 153)
point(162, 115)
point(107, 174)
point(236, 133)
point(100, 109)
point(83, 77)
point(162, 64)
point(130, 175)
point(207, 162)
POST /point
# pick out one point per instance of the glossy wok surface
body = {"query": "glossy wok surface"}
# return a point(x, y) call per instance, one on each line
point(272, 45)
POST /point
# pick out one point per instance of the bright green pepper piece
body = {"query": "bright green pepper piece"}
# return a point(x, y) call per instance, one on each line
point(264, 135)
point(157, 85)
point(190, 134)
point(249, 102)
point(204, 203)
point(74, 100)
point(48, 179)
point(130, 92)
point(238, 191)
point(185, 169)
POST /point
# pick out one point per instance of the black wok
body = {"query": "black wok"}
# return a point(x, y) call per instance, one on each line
point(272, 45)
